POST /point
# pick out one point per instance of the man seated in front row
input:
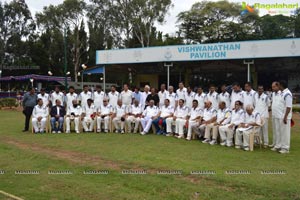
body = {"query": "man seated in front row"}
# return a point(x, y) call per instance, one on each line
point(57, 115)
point(242, 136)
point(195, 117)
point(73, 115)
point(88, 116)
point(166, 112)
point(150, 113)
point(119, 117)
point(39, 116)
point(104, 114)
point(134, 113)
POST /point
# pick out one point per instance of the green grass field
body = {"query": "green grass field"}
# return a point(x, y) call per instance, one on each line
point(76, 153)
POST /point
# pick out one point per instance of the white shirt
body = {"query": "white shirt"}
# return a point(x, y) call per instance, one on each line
point(105, 110)
point(40, 111)
point(236, 96)
point(288, 101)
point(166, 111)
point(126, 97)
point(237, 117)
point(277, 105)
point(45, 98)
point(172, 98)
point(225, 115)
point(84, 97)
point(113, 98)
point(225, 97)
point(189, 97)
point(209, 113)
point(214, 99)
point(253, 118)
point(162, 96)
point(144, 96)
point(262, 104)
point(98, 98)
point(195, 112)
point(182, 112)
point(76, 111)
point(201, 99)
point(151, 111)
point(135, 109)
point(55, 96)
point(69, 98)
point(249, 98)
point(120, 111)
point(89, 110)
point(181, 93)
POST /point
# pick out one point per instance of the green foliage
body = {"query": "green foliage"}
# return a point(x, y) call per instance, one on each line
point(8, 102)
point(296, 109)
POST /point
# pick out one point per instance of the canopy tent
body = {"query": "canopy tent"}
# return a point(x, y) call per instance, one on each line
point(35, 77)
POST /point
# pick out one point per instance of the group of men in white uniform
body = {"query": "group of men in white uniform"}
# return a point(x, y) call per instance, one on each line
point(230, 117)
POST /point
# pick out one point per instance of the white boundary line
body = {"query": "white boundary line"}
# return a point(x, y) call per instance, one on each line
point(10, 195)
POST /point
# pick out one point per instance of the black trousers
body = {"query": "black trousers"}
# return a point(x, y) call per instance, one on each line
point(27, 112)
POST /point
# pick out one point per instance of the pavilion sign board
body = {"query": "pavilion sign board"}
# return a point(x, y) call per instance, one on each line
point(198, 52)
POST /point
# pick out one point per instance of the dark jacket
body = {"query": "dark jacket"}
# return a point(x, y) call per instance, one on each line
point(53, 111)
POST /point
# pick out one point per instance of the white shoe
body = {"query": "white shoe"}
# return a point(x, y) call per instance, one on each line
point(98, 130)
point(237, 147)
point(169, 134)
point(189, 139)
point(180, 137)
point(283, 151)
point(213, 142)
point(105, 131)
point(77, 131)
point(116, 131)
point(53, 131)
point(271, 145)
point(122, 131)
point(68, 131)
point(206, 141)
point(229, 145)
point(58, 131)
point(143, 133)
point(246, 149)
point(274, 149)
point(223, 143)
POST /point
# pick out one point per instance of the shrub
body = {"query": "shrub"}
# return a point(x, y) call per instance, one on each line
point(8, 102)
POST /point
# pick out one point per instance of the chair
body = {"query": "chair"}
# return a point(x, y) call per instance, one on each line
point(79, 126)
point(50, 128)
point(110, 125)
point(46, 126)
point(255, 135)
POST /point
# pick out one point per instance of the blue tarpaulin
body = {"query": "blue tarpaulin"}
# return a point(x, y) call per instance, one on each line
point(94, 70)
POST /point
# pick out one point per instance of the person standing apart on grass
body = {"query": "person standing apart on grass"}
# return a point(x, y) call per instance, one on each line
point(73, 114)
point(29, 101)
point(285, 133)
point(119, 117)
point(262, 104)
point(195, 117)
point(149, 114)
point(57, 115)
point(39, 117)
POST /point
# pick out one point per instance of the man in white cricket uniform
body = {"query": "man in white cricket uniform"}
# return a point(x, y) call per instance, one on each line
point(242, 137)
point(104, 113)
point(166, 111)
point(172, 96)
point(144, 96)
point(237, 94)
point(126, 96)
point(149, 114)
point(74, 112)
point(84, 96)
point(227, 131)
point(213, 97)
point(181, 91)
point(39, 116)
point(162, 95)
point(57, 94)
point(201, 97)
point(98, 96)
point(285, 136)
point(44, 96)
point(249, 95)
point(262, 104)
point(70, 97)
point(223, 118)
point(189, 97)
point(224, 96)
point(113, 96)
point(134, 116)
point(88, 115)
point(195, 117)
point(119, 117)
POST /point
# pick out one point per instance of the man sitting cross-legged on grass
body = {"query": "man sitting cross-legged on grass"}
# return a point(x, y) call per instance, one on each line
point(209, 117)
point(39, 116)
point(73, 115)
point(150, 113)
point(134, 112)
point(223, 118)
point(119, 117)
point(57, 115)
point(252, 118)
point(88, 116)
point(104, 114)
point(180, 117)
point(166, 112)
point(227, 131)
point(195, 117)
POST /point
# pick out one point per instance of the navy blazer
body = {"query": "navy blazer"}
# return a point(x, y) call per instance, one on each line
point(62, 111)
